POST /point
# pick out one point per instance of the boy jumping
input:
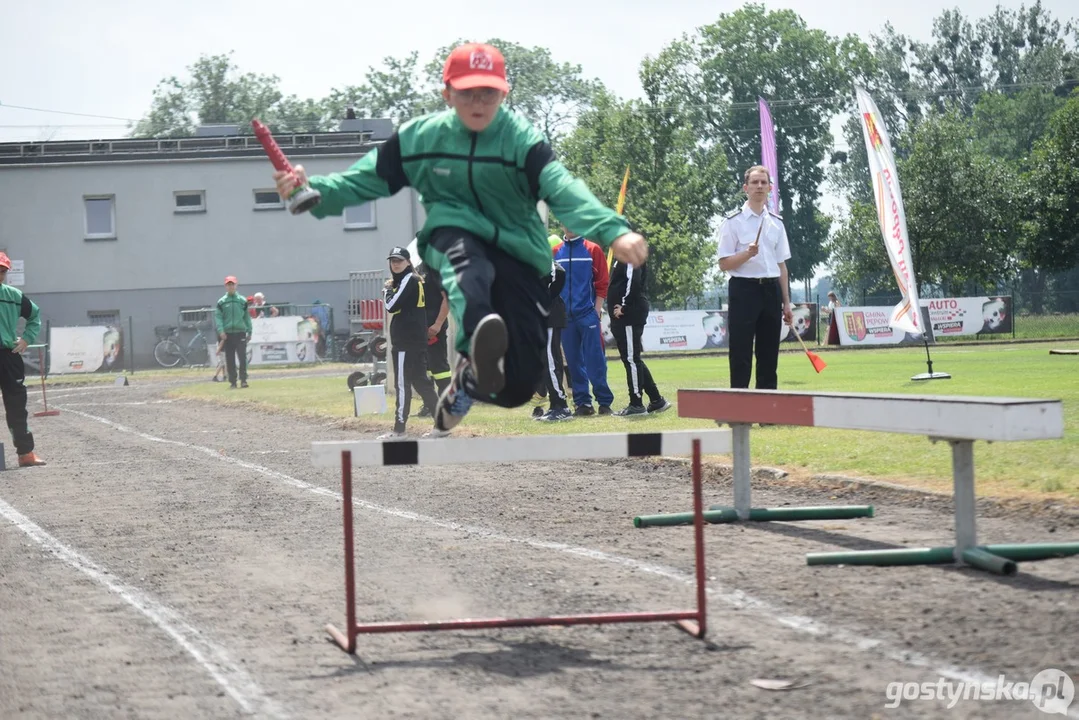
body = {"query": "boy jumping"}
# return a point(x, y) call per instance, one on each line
point(480, 170)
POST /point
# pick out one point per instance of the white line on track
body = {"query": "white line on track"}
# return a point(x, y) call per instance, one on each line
point(731, 596)
point(232, 679)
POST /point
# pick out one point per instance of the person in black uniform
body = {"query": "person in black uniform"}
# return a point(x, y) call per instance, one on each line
point(552, 386)
point(627, 306)
point(753, 250)
point(438, 358)
point(404, 295)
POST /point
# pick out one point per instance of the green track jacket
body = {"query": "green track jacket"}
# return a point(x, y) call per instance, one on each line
point(15, 305)
point(487, 183)
point(231, 316)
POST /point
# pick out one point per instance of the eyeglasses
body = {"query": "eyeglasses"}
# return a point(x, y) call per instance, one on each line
point(485, 96)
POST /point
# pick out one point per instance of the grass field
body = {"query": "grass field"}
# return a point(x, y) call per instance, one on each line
point(1042, 469)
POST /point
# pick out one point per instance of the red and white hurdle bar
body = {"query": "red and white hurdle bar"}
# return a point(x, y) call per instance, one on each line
point(550, 448)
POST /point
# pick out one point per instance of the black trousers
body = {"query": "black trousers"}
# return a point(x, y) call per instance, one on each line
point(236, 352)
point(552, 387)
point(638, 376)
point(410, 371)
point(438, 362)
point(480, 279)
point(755, 317)
point(13, 386)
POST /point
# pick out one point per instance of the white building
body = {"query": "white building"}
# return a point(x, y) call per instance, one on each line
point(116, 229)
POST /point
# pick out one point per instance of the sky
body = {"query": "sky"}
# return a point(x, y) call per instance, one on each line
point(105, 58)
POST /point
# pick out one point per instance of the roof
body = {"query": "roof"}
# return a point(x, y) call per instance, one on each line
point(186, 148)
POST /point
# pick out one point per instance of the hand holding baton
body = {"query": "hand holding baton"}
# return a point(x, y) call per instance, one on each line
point(302, 198)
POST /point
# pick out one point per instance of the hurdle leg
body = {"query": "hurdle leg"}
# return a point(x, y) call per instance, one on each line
point(966, 534)
point(698, 627)
point(742, 469)
point(347, 643)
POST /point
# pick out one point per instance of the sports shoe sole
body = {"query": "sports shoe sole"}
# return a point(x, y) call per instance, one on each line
point(489, 344)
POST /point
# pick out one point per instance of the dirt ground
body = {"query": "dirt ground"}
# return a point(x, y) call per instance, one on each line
point(176, 560)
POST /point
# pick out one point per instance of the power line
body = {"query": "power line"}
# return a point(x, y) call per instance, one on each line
point(64, 112)
point(774, 103)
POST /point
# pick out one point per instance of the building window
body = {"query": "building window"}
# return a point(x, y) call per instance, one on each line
point(100, 217)
point(190, 201)
point(268, 200)
point(360, 217)
point(108, 318)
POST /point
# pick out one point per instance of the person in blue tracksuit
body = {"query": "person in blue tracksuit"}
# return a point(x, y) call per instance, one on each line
point(582, 339)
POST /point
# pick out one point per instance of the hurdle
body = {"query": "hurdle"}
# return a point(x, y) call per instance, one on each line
point(959, 421)
point(41, 365)
point(536, 448)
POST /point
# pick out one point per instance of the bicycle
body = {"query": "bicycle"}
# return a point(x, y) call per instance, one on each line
point(169, 352)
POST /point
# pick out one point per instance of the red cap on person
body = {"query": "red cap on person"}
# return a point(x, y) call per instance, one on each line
point(230, 279)
point(475, 65)
point(5, 261)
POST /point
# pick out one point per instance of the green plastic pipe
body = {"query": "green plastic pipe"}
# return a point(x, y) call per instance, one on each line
point(1033, 551)
point(940, 555)
point(686, 518)
point(899, 556)
point(979, 558)
point(835, 512)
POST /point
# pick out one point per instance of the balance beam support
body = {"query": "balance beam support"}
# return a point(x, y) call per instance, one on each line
point(742, 469)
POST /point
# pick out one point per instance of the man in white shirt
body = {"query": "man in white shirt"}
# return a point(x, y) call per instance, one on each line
point(753, 250)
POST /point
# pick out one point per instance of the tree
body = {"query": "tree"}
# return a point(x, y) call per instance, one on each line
point(753, 52)
point(1052, 239)
point(398, 90)
point(857, 253)
point(549, 93)
point(963, 207)
point(676, 181)
point(215, 92)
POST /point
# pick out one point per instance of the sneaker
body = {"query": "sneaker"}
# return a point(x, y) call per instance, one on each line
point(605, 410)
point(30, 459)
point(556, 415)
point(584, 411)
point(436, 433)
point(455, 401)
point(425, 412)
point(243, 384)
point(392, 435)
point(658, 406)
point(217, 379)
point(232, 386)
point(631, 411)
point(537, 413)
point(487, 353)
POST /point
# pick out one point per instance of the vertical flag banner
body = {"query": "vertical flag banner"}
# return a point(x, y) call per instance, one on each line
point(769, 155)
point(893, 221)
point(618, 209)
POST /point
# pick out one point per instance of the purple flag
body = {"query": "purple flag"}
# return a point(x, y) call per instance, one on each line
point(768, 153)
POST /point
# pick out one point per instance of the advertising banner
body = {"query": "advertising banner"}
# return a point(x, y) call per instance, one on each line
point(947, 317)
point(279, 341)
point(97, 348)
point(706, 329)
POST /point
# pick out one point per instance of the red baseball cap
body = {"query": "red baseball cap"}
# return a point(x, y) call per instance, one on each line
point(475, 65)
point(5, 261)
point(230, 279)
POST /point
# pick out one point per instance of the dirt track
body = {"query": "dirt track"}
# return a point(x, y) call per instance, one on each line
point(175, 560)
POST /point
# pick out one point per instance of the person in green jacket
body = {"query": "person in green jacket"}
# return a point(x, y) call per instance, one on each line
point(480, 170)
point(15, 305)
point(234, 329)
